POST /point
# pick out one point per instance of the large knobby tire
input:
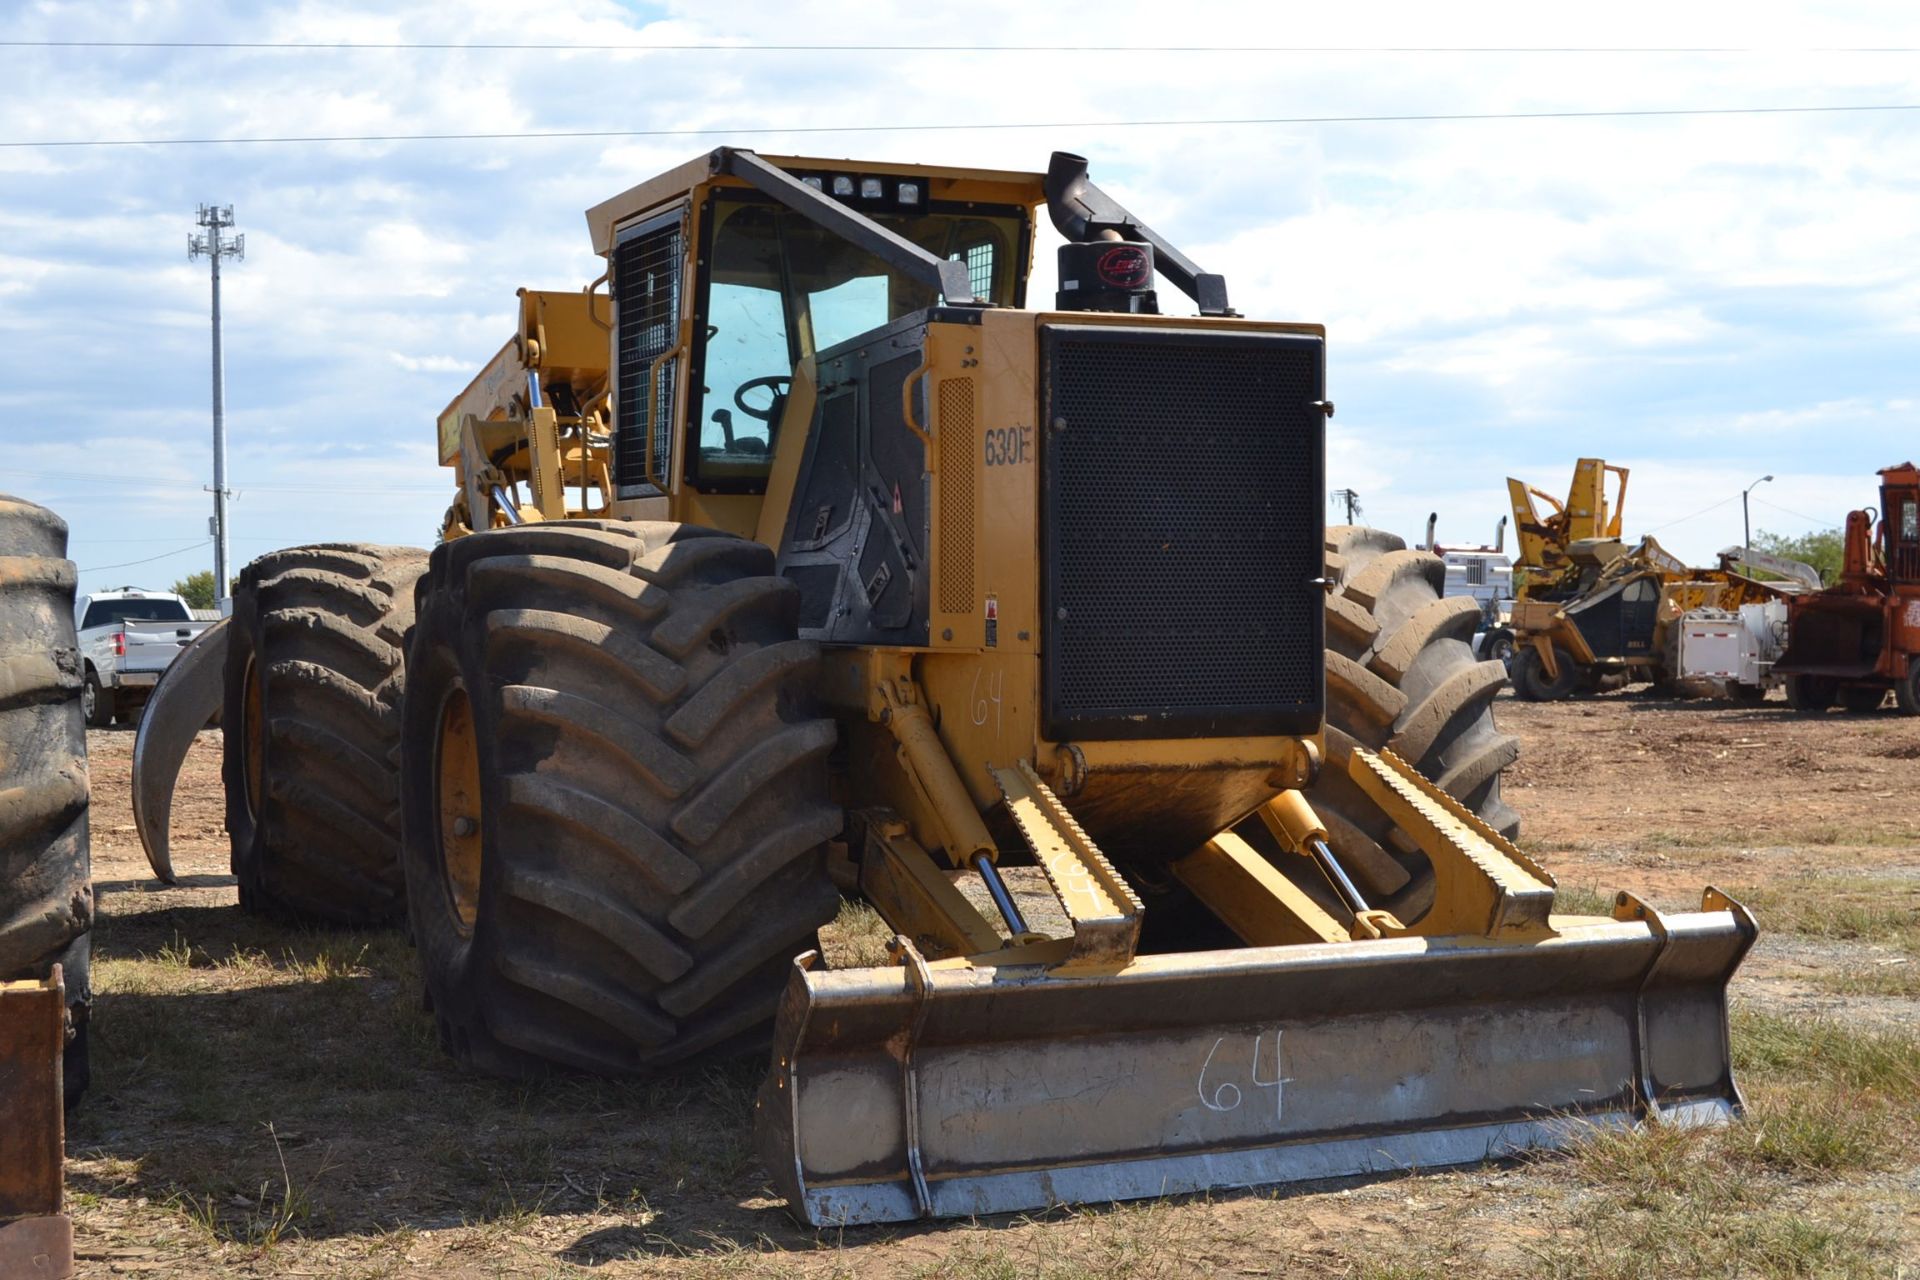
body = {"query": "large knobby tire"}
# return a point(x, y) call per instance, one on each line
point(46, 892)
point(311, 722)
point(1401, 673)
point(616, 799)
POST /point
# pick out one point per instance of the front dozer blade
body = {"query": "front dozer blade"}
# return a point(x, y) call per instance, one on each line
point(187, 696)
point(956, 1088)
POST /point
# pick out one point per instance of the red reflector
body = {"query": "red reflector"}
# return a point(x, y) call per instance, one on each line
point(119, 644)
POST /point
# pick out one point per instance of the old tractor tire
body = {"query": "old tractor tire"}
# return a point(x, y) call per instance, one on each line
point(1532, 684)
point(616, 801)
point(311, 723)
point(1401, 673)
point(46, 891)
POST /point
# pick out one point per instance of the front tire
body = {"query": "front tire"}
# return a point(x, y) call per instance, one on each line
point(1532, 683)
point(1402, 674)
point(615, 801)
point(311, 723)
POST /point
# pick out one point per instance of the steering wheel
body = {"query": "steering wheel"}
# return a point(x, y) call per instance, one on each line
point(779, 384)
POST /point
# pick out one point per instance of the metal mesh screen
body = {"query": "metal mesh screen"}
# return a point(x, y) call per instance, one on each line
point(958, 442)
point(646, 298)
point(1183, 474)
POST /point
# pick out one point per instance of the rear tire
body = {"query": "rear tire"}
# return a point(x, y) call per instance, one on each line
point(1811, 693)
point(622, 705)
point(46, 893)
point(1497, 646)
point(1906, 690)
point(96, 704)
point(1401, 673)
point(1860, 699)
point(311, 726)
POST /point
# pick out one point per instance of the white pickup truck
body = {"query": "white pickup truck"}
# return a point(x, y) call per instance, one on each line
point(127, 638)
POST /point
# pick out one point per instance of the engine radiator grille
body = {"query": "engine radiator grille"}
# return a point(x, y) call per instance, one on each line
point(1182, 527)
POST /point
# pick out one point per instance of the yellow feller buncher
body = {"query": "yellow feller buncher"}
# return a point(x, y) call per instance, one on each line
point(794, 555)
point(1613, 617)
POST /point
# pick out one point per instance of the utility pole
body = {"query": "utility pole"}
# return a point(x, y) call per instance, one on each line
point(215, 246)
point(1352, 500)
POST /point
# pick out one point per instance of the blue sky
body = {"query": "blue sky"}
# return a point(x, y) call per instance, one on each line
point(1706, 299)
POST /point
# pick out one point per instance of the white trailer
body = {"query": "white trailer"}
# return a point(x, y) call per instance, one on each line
point(1733, 653)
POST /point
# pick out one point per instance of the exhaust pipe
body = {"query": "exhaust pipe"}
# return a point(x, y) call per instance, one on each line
point(1086, 215)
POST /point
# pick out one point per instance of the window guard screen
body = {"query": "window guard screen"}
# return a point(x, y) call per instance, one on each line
point(647, 264)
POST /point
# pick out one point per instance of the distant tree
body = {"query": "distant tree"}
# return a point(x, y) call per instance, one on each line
point(1823, 549)
point(196, 589)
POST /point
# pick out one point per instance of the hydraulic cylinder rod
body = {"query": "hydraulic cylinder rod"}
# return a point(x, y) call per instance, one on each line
point(1002, 896)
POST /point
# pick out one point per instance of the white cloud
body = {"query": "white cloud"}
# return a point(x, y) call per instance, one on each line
point(1500, 295)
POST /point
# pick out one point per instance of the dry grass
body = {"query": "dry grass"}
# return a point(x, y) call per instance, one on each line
point(1880, 911)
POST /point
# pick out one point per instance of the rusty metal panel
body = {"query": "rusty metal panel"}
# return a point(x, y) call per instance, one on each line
point(36, 1240)
point(945, 1091)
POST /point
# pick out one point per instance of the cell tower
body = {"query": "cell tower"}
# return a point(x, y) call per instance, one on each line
point(215, 246)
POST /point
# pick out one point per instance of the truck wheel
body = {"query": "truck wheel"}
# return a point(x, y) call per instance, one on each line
point(96, 704)
point(1530, 679)
point(46, 893)
point(615, 799)
point(1497, 646)
point(1906, 690)
point(1401, 673)
point(312, 721)
point(1862, 698)
point(1811, 693)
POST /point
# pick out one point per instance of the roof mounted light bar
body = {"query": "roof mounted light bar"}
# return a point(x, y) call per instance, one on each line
point(949, 277)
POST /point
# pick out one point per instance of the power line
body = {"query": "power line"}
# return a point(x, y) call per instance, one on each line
point(711, 47)
point(1820, 520)
point(778, 130)
point(148, 482)
point(1702, 511)
point(128, 564)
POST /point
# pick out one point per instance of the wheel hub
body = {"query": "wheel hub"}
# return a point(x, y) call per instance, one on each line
point(253, 737)
point(457, 806)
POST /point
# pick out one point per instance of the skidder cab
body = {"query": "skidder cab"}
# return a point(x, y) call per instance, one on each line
point(801, 558)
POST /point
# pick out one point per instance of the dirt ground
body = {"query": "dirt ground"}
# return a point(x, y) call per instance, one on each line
point(270, 1101)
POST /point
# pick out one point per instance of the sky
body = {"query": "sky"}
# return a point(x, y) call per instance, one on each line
point(1706, 299)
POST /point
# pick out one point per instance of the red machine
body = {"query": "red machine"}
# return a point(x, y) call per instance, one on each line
point(1861, 637)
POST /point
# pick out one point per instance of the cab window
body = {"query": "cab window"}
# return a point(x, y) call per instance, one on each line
point(779, 288)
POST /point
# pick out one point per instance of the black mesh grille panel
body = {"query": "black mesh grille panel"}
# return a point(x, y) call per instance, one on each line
point(1184, 478)
point(646, 300)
